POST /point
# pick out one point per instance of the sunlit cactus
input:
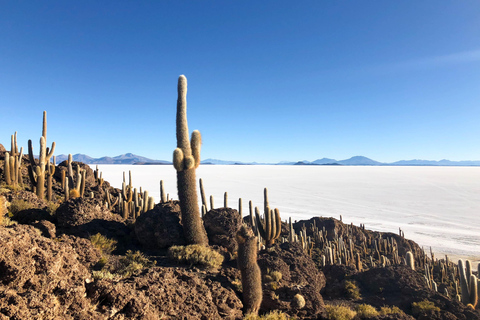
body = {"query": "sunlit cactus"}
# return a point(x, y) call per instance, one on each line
point(186, 158)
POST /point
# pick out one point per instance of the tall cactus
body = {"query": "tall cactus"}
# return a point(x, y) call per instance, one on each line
point(186, 158)
point(249, 269)
point(37, 172)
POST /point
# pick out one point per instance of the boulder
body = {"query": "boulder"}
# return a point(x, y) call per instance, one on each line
point(160, 227)
point(299, 275)
point(222, 225)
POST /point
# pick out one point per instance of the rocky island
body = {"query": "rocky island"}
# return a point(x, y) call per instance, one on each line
point(74, 247)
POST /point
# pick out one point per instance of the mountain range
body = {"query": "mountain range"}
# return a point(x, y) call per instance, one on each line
point(130, 158)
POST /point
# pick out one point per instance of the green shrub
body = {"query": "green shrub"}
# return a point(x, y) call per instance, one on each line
point(104, 274)
point(102, 243)
point(276, 275)
point(385, 310)
point(365, 311)
point(339, 312)
point(115, 268)
point(133, 263)
point(18, 205)
point(423, 307)
point(351, 290)
point(196, 254)
point(273, 315)
point(52, 207)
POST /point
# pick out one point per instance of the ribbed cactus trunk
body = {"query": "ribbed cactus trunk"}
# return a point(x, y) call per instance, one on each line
point(186, 158)
point(249, 269)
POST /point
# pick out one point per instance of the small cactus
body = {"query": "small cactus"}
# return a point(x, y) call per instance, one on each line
point(298, 301)
point(410, 260)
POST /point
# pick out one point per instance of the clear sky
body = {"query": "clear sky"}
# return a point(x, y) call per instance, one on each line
point(267, 80)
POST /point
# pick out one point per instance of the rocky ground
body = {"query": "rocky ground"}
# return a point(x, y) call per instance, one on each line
point(52, 268)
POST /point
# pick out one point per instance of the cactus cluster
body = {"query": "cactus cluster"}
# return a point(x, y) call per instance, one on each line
point(13, 163)
point(37, 171)
point(271, 226)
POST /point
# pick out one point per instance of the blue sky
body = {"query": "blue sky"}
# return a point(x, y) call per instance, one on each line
point(267, 80)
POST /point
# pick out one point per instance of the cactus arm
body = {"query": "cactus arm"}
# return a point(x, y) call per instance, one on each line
point(44, 125)
point(7, 170)
point(278, 222)
point(178, 159)
point(182, 124)
point(196, 144)
point(259, 223)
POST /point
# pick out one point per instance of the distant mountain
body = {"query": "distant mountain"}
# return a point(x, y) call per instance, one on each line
point(225, 162)
point(325, 161)
point(354, 161)
point(130, 158)
point(359, 161)
point(444, 162)
point(127, 158)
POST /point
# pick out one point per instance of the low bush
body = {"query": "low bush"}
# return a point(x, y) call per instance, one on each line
point(196, 254)
point(339, 312)
point(351, 290)
point(423, 307)
point(385, 310)
point(133, 263)
point(365, 311)
point(273, 315)
point(102, 243)
point(18, 205)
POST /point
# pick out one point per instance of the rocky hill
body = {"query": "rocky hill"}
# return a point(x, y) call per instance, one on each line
point(91, 256)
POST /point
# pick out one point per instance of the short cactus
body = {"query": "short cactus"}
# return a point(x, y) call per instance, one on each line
point(186, 158)
point(410, 260)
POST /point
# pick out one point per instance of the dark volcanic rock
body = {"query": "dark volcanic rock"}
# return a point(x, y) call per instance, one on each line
point(84, 217)
point(47, 228)
point(41, 278)
point(222, 225)
point(29, 197)
point(401, 286)
point(160, 227)
point(299, 276)
point(166, 293)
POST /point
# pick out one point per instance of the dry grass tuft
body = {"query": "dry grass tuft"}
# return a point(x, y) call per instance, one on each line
point(339, 312)
point(196, 254)
point(102, 243)
point(423, 307)
point(365, 311)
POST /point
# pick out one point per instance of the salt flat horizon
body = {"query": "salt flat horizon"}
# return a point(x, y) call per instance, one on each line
point(434, 206)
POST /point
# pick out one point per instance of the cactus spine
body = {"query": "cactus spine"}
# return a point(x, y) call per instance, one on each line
point(250, 271)
point(186, 158)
